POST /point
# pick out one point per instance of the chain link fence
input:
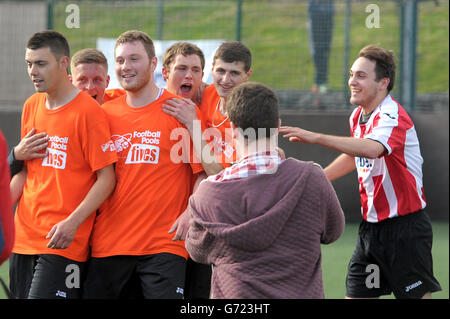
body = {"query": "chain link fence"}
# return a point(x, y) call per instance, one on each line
point(303, 49)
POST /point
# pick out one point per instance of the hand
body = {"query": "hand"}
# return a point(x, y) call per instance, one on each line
point(198, 97)
point(31, 146)
point(181, 226)
point(62, 234)
point(296, 134)
point(281, 153)
point(183, 110)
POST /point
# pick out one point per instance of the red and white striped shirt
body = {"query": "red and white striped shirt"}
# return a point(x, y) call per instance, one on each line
point(390, 185)
point(254, 164)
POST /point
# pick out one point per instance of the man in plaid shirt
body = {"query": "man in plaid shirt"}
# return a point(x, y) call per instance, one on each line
point(263, 162)
point(261, 221)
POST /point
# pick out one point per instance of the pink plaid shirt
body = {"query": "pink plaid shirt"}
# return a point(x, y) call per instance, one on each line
point(251, 165)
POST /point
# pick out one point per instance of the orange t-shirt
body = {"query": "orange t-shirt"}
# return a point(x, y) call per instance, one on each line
point(218, 130)
point(80, 143)
point(112, 94)
point(153, 183)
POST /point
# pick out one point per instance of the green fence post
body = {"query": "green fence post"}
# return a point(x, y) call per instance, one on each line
point(408, 48)
point(160, 23)
point(348, 9)
point(239, 20)
point(49, 14)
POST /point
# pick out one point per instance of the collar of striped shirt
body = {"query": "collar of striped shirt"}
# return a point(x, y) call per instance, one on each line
point(254, 164)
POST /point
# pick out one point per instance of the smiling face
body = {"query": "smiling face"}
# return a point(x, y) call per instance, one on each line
point(91, 78)
point(133, 67)
point(228, 75)
point(44, 70)
point(184, 75)
point(365, 90)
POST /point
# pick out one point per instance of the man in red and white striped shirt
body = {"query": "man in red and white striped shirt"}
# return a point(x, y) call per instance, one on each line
point(395, 235)
point(395, 176)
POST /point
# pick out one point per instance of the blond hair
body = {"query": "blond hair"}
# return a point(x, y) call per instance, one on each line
point(89, 55)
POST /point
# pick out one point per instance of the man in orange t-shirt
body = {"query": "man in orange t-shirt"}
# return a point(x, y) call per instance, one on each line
point(183, 64)
point(61, 191)
point(231, 67)
point(155, 173)
point(89, 69)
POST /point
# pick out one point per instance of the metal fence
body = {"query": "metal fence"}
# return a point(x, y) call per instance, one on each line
point(302, 48)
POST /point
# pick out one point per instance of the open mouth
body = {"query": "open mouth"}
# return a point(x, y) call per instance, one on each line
point(186, 88)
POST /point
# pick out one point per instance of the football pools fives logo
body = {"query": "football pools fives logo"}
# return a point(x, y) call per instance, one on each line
point(138, 147)
point(56, 152)
point(144, 146)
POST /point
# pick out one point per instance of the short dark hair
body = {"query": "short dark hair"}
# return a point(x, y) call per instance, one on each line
point(253, 105)
point(53, 40)
point(184, 48)
point(384, 62)
point(234, 51)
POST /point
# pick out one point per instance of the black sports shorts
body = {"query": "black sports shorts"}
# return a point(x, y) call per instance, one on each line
point(158, 276)
point(393, 256)
point(45, 276)
point(198, 280)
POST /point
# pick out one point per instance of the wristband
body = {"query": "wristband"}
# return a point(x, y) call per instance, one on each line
point(15, 166)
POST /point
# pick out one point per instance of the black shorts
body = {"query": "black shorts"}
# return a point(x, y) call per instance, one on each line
point(45, 276)
point(198, 280)
point(158, 276)
point(393, 256)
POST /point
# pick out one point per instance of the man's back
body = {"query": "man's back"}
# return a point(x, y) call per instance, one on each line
point(263, 232)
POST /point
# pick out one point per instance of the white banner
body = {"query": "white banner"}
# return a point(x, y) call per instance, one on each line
point(208, 46)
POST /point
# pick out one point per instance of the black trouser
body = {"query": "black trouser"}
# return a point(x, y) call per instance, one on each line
point(393, 256)
point(158, 276)
point(198, 280)
point(45, 276)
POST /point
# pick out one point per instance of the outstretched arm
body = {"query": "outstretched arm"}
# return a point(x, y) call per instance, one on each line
point(349, 145)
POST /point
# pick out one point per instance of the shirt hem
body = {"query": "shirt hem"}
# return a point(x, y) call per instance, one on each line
point(183, 254)
point(50, 252)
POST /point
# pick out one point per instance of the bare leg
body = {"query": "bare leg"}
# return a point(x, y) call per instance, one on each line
point(427, 296)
